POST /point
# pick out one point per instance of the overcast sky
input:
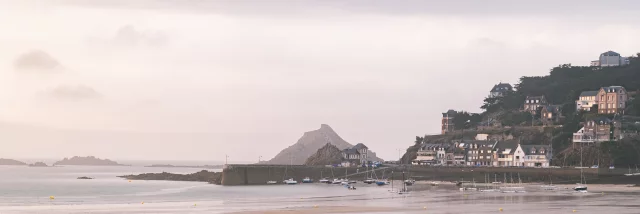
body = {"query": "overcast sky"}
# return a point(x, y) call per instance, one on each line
point(195, 80)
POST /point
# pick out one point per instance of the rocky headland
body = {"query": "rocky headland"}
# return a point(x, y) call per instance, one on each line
point(327, 155)
point(87, 161)
point(309, 144)
point(202, 176)
point(11, 162)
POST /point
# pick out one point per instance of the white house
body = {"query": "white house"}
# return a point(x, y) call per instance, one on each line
point(537, 155)
point(586, 100)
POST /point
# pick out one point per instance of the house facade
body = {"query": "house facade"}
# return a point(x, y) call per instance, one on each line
point(532, 103)
point(479, 153)
point(350, 157)
point(508, 153)
point(550, 114)
point(598, 130)
point(447, 121)
point(536, 155)
point(586, 100)
point(499, 90)
point(431, 154)
point(363, 150)
point(612, 100)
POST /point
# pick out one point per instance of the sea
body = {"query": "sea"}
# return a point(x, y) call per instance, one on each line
point(57, 190)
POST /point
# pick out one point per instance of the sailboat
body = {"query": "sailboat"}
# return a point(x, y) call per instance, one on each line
point(629, 174)
point(290, 181)
point(637, 173)
point(382, 182)
point(404, 189)
point(323, 180)
point(271, 181)
point(581, 187)
point(368, 176)
point(487, 188)
point(307, 180)
point(550, 186)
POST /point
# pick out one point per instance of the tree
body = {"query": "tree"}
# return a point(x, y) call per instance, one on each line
point(419, 140)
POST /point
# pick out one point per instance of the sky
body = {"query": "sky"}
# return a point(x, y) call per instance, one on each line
point(199, 80)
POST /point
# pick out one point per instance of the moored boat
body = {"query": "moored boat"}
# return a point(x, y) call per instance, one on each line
point(272, 182)
point(290, 181)
point(307, 180)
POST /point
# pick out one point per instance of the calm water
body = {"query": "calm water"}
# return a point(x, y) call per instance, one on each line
point(27, 190)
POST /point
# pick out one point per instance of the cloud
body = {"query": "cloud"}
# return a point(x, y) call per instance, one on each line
point(36, 61)
point(73, 92)
point(129, 36)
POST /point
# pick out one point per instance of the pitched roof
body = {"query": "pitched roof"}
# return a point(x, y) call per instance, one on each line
point(535, 98)
point(613, 88)
point(610, 53)
point(360, 146)
point(528, 148)
point(350, 151)
point(502, 146)
point(501, 87)
point(552, 108)
point(435, 146)
point(588, 93)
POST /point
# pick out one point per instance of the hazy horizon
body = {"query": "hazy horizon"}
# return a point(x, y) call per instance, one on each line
point(198, 80)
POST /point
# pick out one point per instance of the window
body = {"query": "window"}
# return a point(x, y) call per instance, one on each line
point(620, 105)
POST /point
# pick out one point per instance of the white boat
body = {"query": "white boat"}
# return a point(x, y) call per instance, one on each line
point(582, 186)
point(307, 180)
point(409, 182)
point(468, 189)
point(336, 181)
point(290, 181)
point(548, 187)
point(369, 181)
point(272, 182)
point(324, 181)
point(433, 183)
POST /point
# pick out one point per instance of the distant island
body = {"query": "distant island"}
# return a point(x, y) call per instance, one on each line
point(11, 162)
point(87, 161)
point(202, 176)
point(38, 164)
point(202, 167)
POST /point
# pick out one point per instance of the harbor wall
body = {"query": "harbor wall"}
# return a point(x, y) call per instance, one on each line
point(260, 174)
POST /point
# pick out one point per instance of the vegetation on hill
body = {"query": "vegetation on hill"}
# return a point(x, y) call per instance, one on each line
point(327, 155)
point(562, 87)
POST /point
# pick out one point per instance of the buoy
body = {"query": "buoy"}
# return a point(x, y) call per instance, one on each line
point(315, 206)
point(574, 211)
point(142, 202)
point(500, 209)
point(194, 205)
point(129, 181)
point(51, 197)
point(425, 207)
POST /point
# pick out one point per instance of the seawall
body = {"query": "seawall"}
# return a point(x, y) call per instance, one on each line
point(260, 174)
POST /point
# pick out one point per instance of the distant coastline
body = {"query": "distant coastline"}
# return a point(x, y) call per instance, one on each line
point(87, 161)
point(182, 166)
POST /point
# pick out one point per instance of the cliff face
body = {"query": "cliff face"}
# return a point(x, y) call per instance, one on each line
point(309, 144)
point(327, 155)
point(11, 162)
point(88, 161)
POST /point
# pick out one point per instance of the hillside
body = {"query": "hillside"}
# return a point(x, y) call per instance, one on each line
point(327, 155)
point(11, 162)
point(309, 144)
point(87, 161)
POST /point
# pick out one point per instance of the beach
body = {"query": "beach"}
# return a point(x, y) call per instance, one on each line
point(28, 190)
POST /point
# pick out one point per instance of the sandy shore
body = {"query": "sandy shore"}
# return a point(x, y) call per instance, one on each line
point(327, 209)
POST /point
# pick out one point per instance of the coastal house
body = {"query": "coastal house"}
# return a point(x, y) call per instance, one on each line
point(532, 103)
point(479, 153)
point(499, 90)
point(550, 114)
point(598, 130)
point(610, 58)
point(586, 100)
point(431, 154)
point(455, 156)
point(362, 149)
point(612, 100)
point(537, 155)
point(447, 121)
point(350, 157)
point(508, 153)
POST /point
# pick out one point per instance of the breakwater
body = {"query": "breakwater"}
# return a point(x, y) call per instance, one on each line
point(259, 174)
